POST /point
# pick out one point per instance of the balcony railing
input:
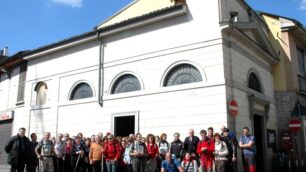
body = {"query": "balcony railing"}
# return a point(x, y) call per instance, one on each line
point(302, 82)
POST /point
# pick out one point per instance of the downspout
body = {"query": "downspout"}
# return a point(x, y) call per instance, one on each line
point(101, 70)
point(220, 11)
point(232, 94)
point(231, 119)
point(8, 74)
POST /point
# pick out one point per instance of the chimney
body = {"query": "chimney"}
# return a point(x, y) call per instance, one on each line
point(5, 51)
point(179, 2)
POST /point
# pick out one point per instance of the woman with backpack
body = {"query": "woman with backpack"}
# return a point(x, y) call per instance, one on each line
point(112, 153)
point(231, 143)
point(205, 149)
point(189, 164)
point(220, 153)
point(153, 154)
point(67, 155)
point(163, 146)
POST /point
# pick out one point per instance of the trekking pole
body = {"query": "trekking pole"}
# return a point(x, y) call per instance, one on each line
point(38, 167)
point(102, 162)
point(76, 165)
point(289, 161)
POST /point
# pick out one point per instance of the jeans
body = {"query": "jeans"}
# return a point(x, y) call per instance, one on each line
point(33, 164)
point(220, 165)
point(46, 164)
point(96, 166)
point(59, 165)
point(249, 163)
point(129, 168)
point(17, 168)
point(151, 165)
point(111, 165)
point(138, 164)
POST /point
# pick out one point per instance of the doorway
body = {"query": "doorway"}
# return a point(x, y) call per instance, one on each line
point(259, 141)
point(5, 133)
point(124, 125)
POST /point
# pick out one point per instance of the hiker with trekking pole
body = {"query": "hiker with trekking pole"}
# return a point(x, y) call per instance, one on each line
point(45, 152)
point(77, 158)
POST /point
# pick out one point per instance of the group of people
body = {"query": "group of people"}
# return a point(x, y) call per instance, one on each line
point(213, 151)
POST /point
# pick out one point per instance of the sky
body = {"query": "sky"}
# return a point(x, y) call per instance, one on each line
point(295, 9)
point(29, 24)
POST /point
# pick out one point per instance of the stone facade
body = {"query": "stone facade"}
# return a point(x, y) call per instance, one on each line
point(285, 102)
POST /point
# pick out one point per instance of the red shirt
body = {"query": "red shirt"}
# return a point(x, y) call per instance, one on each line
point(121, 162)
point(210, 145)
point(152, 150)
point(112, 151)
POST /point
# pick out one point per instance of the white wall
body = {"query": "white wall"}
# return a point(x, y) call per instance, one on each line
point(176, 108)
point(4, 93)
point(67, 60)
point(203, 102)
point(201, 24)
point(242, 62)
point(9, 90)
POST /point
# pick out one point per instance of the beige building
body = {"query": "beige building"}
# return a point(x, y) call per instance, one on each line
point(289, 40)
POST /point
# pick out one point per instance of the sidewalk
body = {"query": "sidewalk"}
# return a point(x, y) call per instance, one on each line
point(4, 168)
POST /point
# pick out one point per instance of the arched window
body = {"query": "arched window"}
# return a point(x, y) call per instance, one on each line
point(81, 91)
point(254, 82)
point(41, 96)
point(126, 83)
point(183, 74)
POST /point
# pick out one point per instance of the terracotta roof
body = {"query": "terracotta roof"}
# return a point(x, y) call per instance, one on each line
point(278, 16)
point(12, 60)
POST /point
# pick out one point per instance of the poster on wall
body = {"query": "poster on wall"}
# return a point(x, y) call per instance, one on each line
point(271, 139)
point(6, 115)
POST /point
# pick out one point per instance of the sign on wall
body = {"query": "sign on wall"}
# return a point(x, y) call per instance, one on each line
point(6, 115)
point(295, 125)
point(233, 108)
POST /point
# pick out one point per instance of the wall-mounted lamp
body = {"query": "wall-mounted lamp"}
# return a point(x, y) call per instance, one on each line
point(234, 16)
point(4, 70)
point(7, 72)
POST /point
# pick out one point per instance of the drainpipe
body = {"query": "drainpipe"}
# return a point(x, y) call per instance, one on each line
point(101, 70)
point(220, 11)
point(8, 76)
point(232, 94)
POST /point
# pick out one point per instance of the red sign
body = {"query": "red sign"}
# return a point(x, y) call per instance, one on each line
point(6, 116)
point(233, 108)
point(286, 143)
point(295, 125)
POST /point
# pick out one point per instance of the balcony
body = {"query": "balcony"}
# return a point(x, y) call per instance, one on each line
point(302, 82)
